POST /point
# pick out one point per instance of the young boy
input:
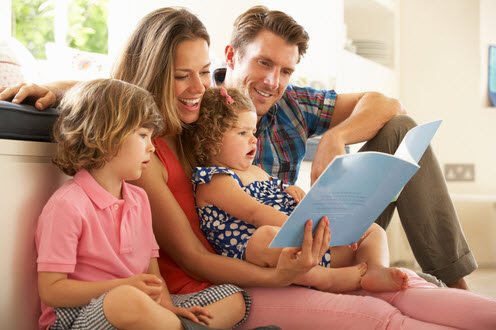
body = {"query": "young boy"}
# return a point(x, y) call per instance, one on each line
point(97, 266)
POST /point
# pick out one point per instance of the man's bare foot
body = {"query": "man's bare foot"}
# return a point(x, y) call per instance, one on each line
point(460, 284)
point(384, 279)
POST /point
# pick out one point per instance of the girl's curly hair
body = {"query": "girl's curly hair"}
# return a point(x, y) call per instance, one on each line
point(95, 118)
point(204, 137)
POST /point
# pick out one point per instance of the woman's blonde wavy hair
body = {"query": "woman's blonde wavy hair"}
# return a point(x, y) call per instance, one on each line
point(204, 137)
point(96, 117)
point(147, 59)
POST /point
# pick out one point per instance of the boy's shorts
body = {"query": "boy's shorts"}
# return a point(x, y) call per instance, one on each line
point(82, 318)
point(92, 317)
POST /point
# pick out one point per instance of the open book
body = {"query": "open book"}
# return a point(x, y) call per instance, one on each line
point(354, 190)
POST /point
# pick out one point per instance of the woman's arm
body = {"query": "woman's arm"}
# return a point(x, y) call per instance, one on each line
point(43, 96)
point(175, 236)
point(56, 290)
point(224, 192)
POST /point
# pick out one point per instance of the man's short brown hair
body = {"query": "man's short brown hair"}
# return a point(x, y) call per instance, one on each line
point(258, 18)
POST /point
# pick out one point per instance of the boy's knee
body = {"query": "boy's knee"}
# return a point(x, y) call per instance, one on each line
point(123, 314)
point(238, 306)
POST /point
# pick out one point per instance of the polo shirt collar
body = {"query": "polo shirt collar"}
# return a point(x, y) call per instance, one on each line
point(98, 195)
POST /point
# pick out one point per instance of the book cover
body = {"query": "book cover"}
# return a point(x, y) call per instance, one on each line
point(354, 190)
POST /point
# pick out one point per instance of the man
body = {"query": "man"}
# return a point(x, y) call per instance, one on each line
point(264, 50)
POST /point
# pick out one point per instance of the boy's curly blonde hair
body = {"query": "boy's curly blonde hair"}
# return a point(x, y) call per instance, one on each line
point(204, 137)
point(95, 118)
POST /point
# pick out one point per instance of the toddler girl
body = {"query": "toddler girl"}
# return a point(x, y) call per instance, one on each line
point(241, 207)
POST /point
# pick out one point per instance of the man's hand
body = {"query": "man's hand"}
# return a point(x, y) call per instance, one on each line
point(330, 146)
point(296, 192)
point(42, 97)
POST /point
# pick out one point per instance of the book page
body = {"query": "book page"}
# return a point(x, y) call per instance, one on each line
point(416, 141)
point(354, 190)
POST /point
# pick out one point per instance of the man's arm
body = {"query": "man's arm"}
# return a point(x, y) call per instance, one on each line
point(43, 96)
point(356, 118)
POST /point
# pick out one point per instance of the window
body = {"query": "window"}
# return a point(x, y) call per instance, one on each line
point(80, 24)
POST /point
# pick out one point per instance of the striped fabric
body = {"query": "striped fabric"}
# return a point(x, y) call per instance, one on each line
point(301, 113)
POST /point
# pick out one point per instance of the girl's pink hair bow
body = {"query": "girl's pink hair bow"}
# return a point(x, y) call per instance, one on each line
point(223, 92)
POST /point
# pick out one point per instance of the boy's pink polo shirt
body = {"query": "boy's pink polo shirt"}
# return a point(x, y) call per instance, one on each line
point(89, 234)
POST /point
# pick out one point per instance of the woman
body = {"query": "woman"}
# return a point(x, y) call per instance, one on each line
point(174, 66)
point(149, 61)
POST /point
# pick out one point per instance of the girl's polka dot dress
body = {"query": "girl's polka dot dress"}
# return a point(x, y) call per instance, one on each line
point(229, 235)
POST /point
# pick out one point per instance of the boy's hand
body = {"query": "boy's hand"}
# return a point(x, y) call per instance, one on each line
point(296, 192)
point(196, 314)
point(148, 283)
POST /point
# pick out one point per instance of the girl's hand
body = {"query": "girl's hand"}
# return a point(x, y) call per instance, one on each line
point(42, 97)
point(296, 192)
point(148, 283)
point(196, 314)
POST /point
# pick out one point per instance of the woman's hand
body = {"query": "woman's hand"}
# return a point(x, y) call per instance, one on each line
point(294, 262)
point(196, 314)
point(42, 97)
point(296, 192)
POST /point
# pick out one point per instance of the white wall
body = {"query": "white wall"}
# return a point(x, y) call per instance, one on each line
point(440, 78)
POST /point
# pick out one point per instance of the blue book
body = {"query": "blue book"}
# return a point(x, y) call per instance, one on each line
point(354, 190)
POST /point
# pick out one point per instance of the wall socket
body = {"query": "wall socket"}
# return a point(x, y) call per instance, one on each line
point(459, 172)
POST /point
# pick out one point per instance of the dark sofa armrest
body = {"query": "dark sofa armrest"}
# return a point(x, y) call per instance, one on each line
point(25, 122)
